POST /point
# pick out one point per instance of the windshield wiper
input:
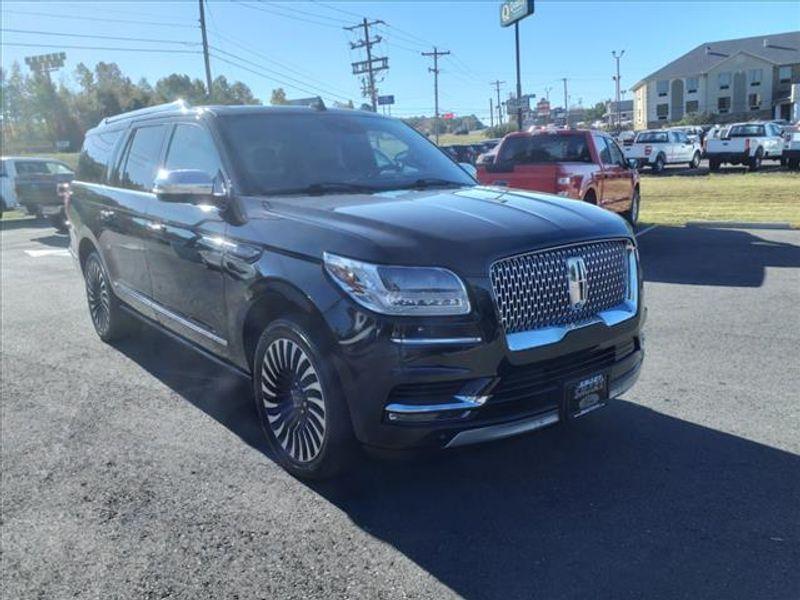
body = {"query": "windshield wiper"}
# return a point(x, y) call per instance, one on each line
point(328, 187)
point(430, 182)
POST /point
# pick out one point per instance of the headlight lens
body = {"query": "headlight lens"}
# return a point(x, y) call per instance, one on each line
point(404, 291)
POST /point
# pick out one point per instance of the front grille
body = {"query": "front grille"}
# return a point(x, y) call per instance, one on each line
point(532, 290)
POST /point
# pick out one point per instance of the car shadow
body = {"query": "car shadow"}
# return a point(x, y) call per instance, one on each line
point(24, 223)
point(625, 503)
point(55, 240)
point(712, 256)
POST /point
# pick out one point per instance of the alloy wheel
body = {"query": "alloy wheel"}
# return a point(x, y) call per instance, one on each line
point(98, 296)
point(293, 400)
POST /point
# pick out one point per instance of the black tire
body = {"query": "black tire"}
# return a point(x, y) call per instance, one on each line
point(695, 162)
point(658, 166)
point(110, 321)
point(713, 165)
point(300, 405)
point(632, 214)
point(754, 164)
point(793, 163)
point(59, 221)
point(590, 197)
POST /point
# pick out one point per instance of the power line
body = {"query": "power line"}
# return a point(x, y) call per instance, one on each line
point(101, 19)
point(164, 50)
point(272, 11)
point(99, 37)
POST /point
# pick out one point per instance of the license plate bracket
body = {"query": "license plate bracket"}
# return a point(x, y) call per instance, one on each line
point(586, 394)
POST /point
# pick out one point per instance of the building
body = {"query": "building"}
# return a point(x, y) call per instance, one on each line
point(756, 77)
point(625, 114)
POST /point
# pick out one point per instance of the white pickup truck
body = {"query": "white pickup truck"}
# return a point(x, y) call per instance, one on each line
point(791, 148)
point(746, 144)
point(658, 148)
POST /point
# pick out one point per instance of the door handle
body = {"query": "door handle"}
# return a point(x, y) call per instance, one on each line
point(156, 226)
point(106, 214)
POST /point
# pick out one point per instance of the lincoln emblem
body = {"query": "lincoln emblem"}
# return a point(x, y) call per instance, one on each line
point(578, 282)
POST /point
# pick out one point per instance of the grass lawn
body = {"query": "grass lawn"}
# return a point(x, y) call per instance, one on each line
point(749, 197)
point(447, 139)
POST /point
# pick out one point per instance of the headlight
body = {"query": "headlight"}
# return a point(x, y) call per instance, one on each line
point(406, 291)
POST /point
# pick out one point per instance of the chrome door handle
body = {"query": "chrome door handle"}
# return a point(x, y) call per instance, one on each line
point(155, 226)
point(106, 214)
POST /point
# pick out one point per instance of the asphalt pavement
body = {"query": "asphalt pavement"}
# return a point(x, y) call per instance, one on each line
point(138, 470)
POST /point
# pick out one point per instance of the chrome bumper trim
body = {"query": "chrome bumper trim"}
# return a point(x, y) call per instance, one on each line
point(461, 403)
point(437, 341)
point(502, 430)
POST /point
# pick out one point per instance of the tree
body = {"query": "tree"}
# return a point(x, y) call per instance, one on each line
point(278, 97)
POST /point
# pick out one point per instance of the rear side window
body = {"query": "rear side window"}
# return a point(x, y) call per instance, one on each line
point(96, 154)
point(602, 149)
point(31, 167)
point(192, 147)
point(141, 161)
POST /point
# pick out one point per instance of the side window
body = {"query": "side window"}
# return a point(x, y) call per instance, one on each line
point(97, 151)
point(58, 169)
point(141, 161)
point(192, 147)
point(25, 167)
point(602, 149)
point(616, 154)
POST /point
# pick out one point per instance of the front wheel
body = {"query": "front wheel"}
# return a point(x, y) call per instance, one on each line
point(300, 405)
point(632, 214)
point(109, 320)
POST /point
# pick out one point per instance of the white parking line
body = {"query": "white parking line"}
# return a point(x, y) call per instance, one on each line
point(48, 252)
point(645, 230)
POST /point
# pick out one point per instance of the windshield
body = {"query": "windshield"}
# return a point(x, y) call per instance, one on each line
point(652, 137)
point(313, 152)
point(545, 148)
point(746, 130)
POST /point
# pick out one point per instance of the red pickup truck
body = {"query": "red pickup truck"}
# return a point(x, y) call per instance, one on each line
point(578, 164)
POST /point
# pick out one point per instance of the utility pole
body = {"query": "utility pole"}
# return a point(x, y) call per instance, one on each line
point(497, 85)
point(491, 113)
point(369, 67)
point(616, 79)
point(435, 70)
point(205, 47)
point(566, 100)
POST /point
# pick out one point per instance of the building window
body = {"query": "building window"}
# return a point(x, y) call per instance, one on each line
point(662, 87)
point(691, 85)
point(662, 111)
point(724, 81)
point(723, 104)
point(692, 106)
point(754, 101)
point(785, 74)
point(755, 77)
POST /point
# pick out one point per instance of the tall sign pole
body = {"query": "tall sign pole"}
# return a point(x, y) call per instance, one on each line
point(511, 13)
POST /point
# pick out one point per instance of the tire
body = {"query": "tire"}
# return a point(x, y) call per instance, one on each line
point(793, 163)
point(658, 166)
point(59, 221)
point(713, 165)
point(695, 162)
point(294, 383)
point(109, 319)
point(632, 214)
point(754, 164)
point(590, 197)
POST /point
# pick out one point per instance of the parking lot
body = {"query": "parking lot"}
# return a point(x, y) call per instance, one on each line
point(138, 470)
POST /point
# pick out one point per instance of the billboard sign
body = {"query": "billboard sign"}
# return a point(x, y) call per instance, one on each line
point(512, 11)
point(384, 100)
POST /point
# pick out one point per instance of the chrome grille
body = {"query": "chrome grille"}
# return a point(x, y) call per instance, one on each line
point(532, 290)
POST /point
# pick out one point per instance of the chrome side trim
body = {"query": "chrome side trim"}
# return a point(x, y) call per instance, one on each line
point(503, 430)
point(139, 297)
point(438, 341)
point(461, 403)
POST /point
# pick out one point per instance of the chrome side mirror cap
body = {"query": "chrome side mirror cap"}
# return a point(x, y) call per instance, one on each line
point(470, 169)
point(188, 185)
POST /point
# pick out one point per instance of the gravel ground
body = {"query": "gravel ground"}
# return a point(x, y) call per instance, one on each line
point(138, 471)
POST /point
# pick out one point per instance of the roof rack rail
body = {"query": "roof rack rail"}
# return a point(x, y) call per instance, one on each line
point(148, 110)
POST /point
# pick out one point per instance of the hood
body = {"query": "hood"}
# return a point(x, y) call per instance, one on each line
point(464, 229)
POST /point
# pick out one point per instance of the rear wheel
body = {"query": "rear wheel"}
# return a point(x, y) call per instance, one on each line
point(755, 161)
point(109, 320)
point(695, 162)
point(713, 165)
point(658, 166)
point(300, 405)
point(632, 214)
point(793, 163)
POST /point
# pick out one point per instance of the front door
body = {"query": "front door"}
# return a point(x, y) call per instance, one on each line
point(616, 175)
point(186, 247)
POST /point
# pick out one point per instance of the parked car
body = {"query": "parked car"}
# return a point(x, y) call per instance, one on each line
point(382, 305)
point(658, 148)
point(577, 164)
point(33, 183)
point(791, 147)
point(746, 144)
point(463, 153)
point(625, 138)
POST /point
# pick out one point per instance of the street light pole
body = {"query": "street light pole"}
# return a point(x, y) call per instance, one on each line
point(616, 58)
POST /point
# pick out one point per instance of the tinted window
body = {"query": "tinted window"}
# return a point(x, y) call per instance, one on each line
point(652, 137)
point(746, 130)
point(141, 161)
point(545, 148)
point(192, 147)
point(286, 152)
point(602, 149)
point(95, 156)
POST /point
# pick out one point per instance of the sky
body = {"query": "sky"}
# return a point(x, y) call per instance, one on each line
point(302, 46)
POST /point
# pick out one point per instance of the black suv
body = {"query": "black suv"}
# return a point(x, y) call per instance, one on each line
point(374, 292)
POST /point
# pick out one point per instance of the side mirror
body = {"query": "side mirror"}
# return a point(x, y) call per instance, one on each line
point(188, 185)
point(470, 169)
point(632, 163)
point(500, 167)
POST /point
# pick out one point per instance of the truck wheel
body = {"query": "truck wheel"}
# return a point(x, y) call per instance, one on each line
point(109, 320)
point(658, 166)
point(632, 214)
point(713, 165)
point(695, 162)
point(300, 405)
point(755, 161)
point(793, 163)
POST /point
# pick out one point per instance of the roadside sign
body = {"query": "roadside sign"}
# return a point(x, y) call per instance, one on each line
point(512, 11)
point(384, 100)
point(449, 116)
